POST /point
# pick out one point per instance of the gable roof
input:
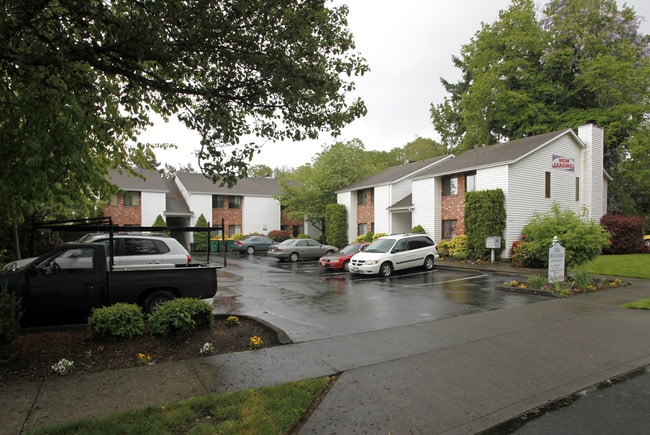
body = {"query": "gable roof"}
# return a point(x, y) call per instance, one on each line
point(395, 174)
point(124, 180)
point(495, 155)
point(200, 184)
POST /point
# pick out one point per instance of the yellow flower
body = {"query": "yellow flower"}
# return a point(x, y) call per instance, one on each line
point(256, 342)
point(232, 320)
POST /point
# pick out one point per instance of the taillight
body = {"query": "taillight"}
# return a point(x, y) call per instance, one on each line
point(239, 242)
point(189, 259)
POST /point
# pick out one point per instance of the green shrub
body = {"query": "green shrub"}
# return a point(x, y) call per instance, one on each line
point(160, 223)
point(201, 237)
point(118, 321)
point(418, 229)
point(536, 281)
point(10, 314)
point(375, 236)
point(336, 226)
point(485, 216)
point(456, 247)
point(181, 315)
point(522, 256)
point(240, 236)
point(582, 238)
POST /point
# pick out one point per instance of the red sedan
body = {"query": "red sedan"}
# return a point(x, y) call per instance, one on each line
point(340, 260)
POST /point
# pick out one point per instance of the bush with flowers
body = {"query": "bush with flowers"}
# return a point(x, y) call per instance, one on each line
point(279, 235)
point(576, 284)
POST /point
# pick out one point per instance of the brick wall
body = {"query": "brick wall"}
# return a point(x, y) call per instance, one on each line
point(124, 214)
point(366, 213)
point(230, 217)
point(453, 206)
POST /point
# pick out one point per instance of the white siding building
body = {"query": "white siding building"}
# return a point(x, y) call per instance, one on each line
point(533, 173)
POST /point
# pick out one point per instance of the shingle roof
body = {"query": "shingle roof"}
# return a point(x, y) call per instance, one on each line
point(395, 174)
point(492, 155)
point(405, 202)
point(124, 180)
point(175, 204)
point(199, 183)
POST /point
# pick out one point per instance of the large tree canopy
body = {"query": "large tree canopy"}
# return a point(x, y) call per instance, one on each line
point(80, 78)
point(582, 61)
point(308, 190)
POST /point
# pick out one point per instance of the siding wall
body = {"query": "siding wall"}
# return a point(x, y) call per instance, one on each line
point(526, 186)
point(345, 198)
point(382, 197)
point(153, 204)
point(260, 215)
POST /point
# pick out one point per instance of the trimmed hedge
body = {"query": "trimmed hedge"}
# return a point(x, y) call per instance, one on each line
point(181, 315)
point(117, 322)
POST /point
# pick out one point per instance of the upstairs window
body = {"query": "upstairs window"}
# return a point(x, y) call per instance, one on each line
point(234, 202)
point(449, 186)
point(470, 182)
point(131, 198)
point(217, 201)
point(363, 197)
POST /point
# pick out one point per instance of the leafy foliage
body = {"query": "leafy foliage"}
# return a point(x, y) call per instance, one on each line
point(279, 235)
point(181, 315)
point(581, 61)
point(454, 248)
point(201, 237)
point(117, 321)
point(10, 315)
point(582, 238)
point(418, 229)
point(626, 231)
point(80, 80)
point(522, 256)
point(336, 224)
point(160, 222)
point(485, 216)
point(309, 189)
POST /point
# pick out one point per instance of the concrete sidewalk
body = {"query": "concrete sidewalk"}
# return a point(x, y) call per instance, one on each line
point(459, 375)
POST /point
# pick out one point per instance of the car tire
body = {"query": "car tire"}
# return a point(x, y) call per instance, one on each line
point(429, 263)
point(250, 250)
point(156, 299)
point(346, 266)
point(386, 269)
point(294, 257)
point(329, 252)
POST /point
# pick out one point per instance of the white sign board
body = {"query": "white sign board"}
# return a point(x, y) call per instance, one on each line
point(556, 257)
point(493, 242)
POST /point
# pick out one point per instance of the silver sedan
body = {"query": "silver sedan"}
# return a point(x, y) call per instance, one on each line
point(300, 249)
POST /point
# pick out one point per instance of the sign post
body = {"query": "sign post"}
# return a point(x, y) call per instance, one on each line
point(556, 258)
point(493, 243)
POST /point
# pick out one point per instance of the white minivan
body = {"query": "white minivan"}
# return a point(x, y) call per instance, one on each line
point(395, 252)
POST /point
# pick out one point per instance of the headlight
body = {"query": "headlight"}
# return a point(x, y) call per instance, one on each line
point(371, 262)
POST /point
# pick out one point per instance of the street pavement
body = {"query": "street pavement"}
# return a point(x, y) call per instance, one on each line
point(465, 374)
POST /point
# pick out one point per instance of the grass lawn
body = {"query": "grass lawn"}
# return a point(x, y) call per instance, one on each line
point(267, 410)
point(630, 265)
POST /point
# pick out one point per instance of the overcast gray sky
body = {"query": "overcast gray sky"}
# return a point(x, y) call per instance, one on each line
point(408, 48)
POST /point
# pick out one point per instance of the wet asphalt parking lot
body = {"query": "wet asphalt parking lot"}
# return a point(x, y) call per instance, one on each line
point(309, 302)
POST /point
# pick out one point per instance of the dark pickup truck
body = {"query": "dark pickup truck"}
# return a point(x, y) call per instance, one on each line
point(74, 278)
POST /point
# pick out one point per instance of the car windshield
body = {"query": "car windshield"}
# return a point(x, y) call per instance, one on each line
point(380, 245)
point(350, 249)
point(288, 242)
